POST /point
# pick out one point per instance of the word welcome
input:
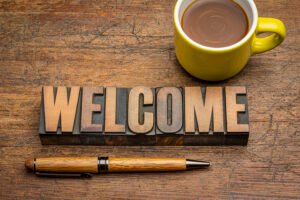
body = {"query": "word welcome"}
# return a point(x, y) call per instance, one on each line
point(144, 116)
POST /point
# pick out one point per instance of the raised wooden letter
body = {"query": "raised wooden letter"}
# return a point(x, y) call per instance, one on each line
point(233, 109)
point(169, 116)
point(116, 117)
point(111, 112)
point(137, 123)
point(192, 116)
point(169, 109)
point(88, 107)
point(203, 110)
point(61, 107)
point(141, 114)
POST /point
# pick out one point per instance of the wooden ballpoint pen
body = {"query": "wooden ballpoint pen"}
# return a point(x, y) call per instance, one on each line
point(86, 166)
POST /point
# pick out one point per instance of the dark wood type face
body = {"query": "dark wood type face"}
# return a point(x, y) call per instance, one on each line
point(188, 116)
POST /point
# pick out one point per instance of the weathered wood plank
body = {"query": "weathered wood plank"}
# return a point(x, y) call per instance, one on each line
point(128, 43)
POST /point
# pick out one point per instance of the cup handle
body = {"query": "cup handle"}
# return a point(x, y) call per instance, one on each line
point(268, 25)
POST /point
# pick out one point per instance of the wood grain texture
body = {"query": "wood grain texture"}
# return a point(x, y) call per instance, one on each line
point(60, 107)
point(92, 116)
point(111, 125)
point(169, 116)
point(233, 108)
point(129, 43)
point(169, 109)
point(67, 164)
point(140, 122)
point(89, 107)
point(146, 164)
point(203, 110)
point(141, 115)
point(116, 111)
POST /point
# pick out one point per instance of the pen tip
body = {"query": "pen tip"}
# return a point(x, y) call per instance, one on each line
point(195, 164)
point(29, 164)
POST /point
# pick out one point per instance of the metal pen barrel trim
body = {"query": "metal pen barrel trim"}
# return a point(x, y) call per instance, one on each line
point(195, 164)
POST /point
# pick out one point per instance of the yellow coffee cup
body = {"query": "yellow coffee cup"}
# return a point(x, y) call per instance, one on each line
point(215, 64)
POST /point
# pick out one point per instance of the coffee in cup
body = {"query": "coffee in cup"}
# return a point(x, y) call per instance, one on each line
point(214, 39)
point(215, 23)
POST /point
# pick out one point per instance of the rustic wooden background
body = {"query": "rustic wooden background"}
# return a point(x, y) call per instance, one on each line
point(129, 43)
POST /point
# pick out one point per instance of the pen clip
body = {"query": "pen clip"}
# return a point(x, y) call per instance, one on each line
point(85, 175)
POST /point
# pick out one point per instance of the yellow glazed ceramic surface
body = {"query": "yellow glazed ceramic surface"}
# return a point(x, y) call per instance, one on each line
point(215, 64)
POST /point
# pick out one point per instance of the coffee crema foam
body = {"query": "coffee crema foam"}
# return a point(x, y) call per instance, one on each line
point(215, 23)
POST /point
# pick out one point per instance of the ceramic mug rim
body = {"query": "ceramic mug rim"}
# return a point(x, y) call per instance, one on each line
point(251, 31)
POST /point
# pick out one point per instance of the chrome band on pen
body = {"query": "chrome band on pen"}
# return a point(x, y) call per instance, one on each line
point(102, 165)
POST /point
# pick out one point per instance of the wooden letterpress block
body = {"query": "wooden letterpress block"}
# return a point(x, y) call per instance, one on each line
point(204, 114)
point(169, 116)
point(141, 116)
point(237, 116)
point(116, 116)
point(59, 117)
point(92, 116)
